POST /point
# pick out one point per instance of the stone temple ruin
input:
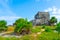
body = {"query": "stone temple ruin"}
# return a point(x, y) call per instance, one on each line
point(41, 18)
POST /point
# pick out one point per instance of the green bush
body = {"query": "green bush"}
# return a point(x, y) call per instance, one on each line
point(22, 24)
point(3, 26)
point(48, 29)
point(43, 26)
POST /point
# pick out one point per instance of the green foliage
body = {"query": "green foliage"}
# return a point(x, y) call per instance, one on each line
point(48, 29)
point(43, 36)
point(53, 20)
point(43, 26)
point(58, 27)
point(3, 24)
point(48, 36)
point(21, 24)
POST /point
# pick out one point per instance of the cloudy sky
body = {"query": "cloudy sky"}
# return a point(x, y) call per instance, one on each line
point(10, 10)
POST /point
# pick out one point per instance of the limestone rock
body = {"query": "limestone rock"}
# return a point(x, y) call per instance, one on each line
point(41, 18)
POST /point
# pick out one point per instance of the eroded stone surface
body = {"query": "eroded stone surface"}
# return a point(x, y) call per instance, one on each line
point(41, 18)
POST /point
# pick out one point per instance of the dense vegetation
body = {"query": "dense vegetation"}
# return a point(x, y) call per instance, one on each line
point(22, 25)
point(3, 26)
point(36, 35)
point(29, 32)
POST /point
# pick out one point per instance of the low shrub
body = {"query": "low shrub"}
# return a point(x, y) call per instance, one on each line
point(48, 29)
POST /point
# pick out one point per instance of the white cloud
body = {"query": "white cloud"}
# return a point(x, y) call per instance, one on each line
point(54, 11)
point(10, 18)
point(57, 16)
point(47, 10)
point(50, 9)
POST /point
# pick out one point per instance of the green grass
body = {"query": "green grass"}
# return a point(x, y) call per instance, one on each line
point(34, 36)
point(36, 29)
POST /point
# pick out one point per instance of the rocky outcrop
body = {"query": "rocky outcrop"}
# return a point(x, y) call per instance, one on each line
point(41, 18)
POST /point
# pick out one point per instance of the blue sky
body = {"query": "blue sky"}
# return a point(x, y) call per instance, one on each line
point(10, 10)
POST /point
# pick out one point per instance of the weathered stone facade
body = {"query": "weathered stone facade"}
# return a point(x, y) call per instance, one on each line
point(41, 18)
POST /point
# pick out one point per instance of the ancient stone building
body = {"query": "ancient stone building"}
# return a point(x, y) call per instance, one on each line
point(41, 18)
